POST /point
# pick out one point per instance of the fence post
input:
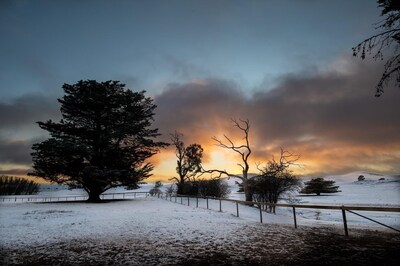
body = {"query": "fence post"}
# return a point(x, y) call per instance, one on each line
point(261, 218)
point(237, 209)
point(197, 202)
point(346, 231)
point(188, 201)
point(220, 205)
point(294, 217)
point(207, 203)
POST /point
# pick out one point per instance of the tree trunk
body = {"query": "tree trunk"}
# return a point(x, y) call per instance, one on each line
point(180, 186)
point(94, 197)
point(247, 193)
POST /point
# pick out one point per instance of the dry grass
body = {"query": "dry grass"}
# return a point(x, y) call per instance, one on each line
point(255, 245)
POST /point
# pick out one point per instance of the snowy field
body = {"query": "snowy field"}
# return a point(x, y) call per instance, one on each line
point(155, 231)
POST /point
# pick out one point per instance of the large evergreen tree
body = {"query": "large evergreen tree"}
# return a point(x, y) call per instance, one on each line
point(102, 141)
point(319, 185)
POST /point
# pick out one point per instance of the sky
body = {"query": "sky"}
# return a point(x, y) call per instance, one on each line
point(286, 66)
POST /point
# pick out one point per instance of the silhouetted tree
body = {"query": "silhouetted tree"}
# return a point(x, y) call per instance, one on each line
point(388, 40)
point(275, 179)
point(243, 150)
point(171, 189)
point(156, 189)
point(188, 163)
point(319, 185)
point(212, 188)
point(102, 141)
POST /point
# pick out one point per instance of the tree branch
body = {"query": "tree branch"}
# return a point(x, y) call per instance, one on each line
point(220, 173)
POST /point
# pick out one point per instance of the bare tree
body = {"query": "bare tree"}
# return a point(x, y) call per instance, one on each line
point(188, 161)
point(275, 179)
point(243, 150)
point(388, 40)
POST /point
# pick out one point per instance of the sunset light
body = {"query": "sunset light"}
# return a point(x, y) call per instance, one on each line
point(199, 132)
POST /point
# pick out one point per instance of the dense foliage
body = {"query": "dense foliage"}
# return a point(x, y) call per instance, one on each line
point(103, 140)
point(216, 187)
point(212, 188)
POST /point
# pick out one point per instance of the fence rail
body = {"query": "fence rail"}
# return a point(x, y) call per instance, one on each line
point(344, 209)
point(105, 196)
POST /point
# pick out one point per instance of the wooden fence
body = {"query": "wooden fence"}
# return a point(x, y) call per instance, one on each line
point(105, 196)
point(184, 198)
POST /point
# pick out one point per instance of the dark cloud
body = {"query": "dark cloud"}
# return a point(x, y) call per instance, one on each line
point(330, 107)
point(18, 128)
point(15, 171)
point(15, 152)
point(331, 117)
point(26, 110)
point(197, 108)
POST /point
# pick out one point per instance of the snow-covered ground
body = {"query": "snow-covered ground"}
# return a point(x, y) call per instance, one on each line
point(370, 192)
point(164, 223)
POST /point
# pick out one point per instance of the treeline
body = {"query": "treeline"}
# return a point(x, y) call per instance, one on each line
point(202, 187)
point(11, 185)
point(207, 188)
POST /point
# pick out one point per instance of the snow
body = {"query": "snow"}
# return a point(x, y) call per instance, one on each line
point(370, 192)
point(29, 224)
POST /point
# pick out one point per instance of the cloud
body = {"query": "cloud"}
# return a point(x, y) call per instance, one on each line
point(329, 107)
point(24, 111)
point(15, 151)
point(330, 117)
point(18, 128)
point(15, 171)
point(198, 108)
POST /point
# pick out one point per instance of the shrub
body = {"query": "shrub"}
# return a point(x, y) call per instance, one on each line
point(213, 188)
point(11, 185)
point(269, 188)
point(319, 185)
point(156, 189)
